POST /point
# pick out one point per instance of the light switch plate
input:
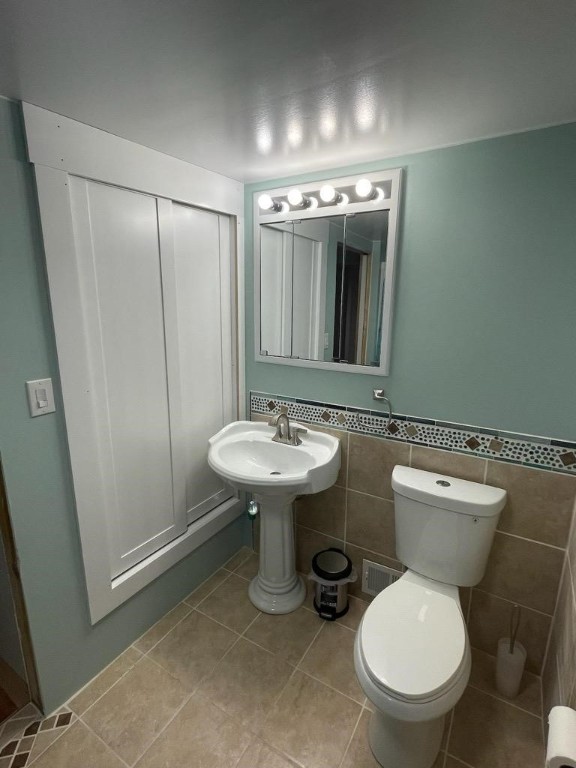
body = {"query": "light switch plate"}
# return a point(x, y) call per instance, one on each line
point(40, 397)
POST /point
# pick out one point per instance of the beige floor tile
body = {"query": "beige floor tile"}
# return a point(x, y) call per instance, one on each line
point(43, 741)
point(359, 754)
point(288, 636)
point(200, 736)
point(247, 682)
point(78, 740)
point(356, 610)
point(208, 586)
point(162, 627)
point(330, 659)
point(483, 675)
point(193, 648)
point(260, 755)
point(311, 723)
point(488, 733)
point(136, 709)
point(240, 557)
point(104, 681)
point(249, 568)
point(230, 604)
point(452, 762)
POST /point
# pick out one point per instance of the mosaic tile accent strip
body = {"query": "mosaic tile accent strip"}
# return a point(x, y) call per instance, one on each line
point(528, 450)
point(19, 733)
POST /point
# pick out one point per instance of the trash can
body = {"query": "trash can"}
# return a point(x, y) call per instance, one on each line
point(332, 571)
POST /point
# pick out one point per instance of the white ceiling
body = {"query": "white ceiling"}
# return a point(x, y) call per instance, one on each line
point(257, 89)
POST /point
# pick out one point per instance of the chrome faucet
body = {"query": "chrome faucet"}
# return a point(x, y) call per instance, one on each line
point(284, 432)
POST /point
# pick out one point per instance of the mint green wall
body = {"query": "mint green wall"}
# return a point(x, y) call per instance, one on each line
point(485, 320)
point(34, 455)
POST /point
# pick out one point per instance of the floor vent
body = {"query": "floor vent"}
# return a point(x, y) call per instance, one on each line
point(377, 577)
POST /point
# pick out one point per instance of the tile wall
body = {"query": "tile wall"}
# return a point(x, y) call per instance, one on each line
point(530, 546)
point(559, 675)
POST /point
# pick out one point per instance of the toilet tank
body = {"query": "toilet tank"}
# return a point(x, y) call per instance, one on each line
point(444, 526)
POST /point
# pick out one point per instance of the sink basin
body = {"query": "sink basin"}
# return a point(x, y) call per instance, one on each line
point(244, 454)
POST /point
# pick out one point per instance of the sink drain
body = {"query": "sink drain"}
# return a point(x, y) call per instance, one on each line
point(275, 473)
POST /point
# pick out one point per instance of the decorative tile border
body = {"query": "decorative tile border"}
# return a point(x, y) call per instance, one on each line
point(538, 452)
point(25, 729)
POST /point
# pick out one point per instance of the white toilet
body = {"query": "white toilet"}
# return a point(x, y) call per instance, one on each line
point(412, 655)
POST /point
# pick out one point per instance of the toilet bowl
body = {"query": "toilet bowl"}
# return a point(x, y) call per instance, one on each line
point(412, 654)
point(412, 660)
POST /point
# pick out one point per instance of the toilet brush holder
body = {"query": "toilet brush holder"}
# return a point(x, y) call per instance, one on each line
point(509, 667)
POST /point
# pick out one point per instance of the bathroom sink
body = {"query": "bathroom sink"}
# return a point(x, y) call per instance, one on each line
point(244, 454)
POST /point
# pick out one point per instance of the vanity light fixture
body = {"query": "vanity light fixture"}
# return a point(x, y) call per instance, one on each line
point(298, 200)
point(366, 190)
point(269, 204)
point(330, 195)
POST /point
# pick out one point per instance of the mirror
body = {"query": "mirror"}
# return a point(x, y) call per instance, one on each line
point(324, 281)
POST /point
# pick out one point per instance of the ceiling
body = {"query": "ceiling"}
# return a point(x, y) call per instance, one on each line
point(257, 89)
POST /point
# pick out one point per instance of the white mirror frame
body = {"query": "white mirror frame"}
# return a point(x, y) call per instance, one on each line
point(392, 204)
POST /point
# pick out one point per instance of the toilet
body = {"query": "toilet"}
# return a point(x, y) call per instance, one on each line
point(412, 654)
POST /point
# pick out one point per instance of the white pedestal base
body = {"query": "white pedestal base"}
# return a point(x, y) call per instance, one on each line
point(277, 588)
point(397, 743)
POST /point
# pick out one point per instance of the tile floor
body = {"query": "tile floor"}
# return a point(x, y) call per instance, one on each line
point(217, 684)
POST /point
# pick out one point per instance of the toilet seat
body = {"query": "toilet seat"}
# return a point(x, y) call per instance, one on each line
point(413, 640)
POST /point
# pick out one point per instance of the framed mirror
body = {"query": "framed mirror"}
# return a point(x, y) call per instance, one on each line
point(324, 273)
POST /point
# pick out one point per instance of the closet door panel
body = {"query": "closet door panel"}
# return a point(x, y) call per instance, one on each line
point(118, 248)
point(202, 276)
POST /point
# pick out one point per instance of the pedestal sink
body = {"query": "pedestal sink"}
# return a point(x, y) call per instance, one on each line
point(244, 454)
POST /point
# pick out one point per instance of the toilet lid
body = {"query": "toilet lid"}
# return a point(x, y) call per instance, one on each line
point(413, 638)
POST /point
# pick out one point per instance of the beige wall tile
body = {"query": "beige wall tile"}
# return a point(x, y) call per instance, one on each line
point(490, 620)
point(130, 716)
point(200, 735)
point(539, 504)
point(78, 740)
point(247, 682)
point(308, 543)
point(551, 694)
point(324, 512)
point(451, 762)
point(370, 464)
point(343, 437)
point(523, 571)
point(448, 463)
point(564, 635)
point(104, 681)
point(370, 523)
point(488, 733)
point(483, 677)
point(193, 648)
point(357, 555)
point(311, 723)
point(330, 659)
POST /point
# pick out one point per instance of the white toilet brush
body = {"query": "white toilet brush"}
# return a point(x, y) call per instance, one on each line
point(510, 659)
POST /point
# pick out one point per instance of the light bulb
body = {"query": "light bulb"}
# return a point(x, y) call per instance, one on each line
point(312, 202)
point(363, 188)
point(284, 207)
point(327, 193)
point(295, 197)
point(344, 200)
point(378, 195)
point(265, 202)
